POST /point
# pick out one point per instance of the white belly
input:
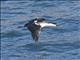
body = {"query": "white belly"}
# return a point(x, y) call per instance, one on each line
point(44, 24)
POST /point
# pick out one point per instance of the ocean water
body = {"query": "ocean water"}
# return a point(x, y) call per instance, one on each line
point(60, 43)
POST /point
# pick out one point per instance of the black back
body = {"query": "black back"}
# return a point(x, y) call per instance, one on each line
point(33, 28)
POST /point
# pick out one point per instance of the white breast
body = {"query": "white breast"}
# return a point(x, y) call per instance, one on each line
point(44, 24)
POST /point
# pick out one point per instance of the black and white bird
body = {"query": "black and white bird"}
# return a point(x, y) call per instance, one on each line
point(35, 26)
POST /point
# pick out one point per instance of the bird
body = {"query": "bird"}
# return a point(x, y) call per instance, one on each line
point(35, 25)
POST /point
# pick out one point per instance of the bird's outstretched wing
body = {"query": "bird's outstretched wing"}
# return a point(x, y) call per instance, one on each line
point(35, 35)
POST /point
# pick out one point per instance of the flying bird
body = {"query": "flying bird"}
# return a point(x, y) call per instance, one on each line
point(35, 26)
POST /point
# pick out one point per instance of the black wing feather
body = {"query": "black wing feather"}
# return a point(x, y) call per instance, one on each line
point(34, 29)
point(35, 35)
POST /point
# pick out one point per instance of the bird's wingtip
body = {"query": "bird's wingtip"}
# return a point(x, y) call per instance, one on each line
point(25, 25)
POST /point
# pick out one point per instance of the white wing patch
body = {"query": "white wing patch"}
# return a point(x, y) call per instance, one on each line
point(36, 22)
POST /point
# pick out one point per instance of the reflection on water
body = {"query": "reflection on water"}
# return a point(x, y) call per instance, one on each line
point(60, 43)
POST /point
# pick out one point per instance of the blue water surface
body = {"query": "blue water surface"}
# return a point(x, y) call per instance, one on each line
point(60, 43)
